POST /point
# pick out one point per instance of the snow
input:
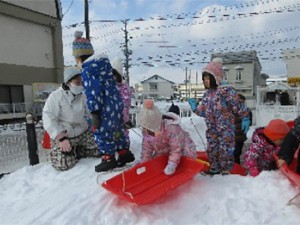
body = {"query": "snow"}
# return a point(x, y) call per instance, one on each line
point(41, 195)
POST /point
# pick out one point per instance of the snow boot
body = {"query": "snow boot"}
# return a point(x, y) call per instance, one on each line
point(108, 163)
point(224, 173)
point(210, 172)
point(125, 156)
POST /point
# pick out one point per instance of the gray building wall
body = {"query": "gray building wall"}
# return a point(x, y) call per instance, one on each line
point(31, 44)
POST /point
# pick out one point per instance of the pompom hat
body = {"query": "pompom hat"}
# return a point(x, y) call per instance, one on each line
point(215, 68)
point(150, 116)
point(276, 129)
point(81, 46)
point(71, 72)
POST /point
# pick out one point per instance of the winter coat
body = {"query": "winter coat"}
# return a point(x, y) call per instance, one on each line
point(125, 92)
point(64, 111)
point(104, 98)
point(260, 155)
point(219, 107)
point(171, 139)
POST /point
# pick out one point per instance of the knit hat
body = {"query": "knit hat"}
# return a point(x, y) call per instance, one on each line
point(150, 116)
point(117, 65)
point(174, 109)
point(81, 46)
point(71, 72)
point(276, 129)
point(215, 68)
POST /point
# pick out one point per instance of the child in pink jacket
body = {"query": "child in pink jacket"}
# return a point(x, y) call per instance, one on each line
point(266, 142)
point(162, 134)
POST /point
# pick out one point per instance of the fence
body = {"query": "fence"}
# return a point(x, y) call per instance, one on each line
point(13, 147)
point(18, 110)
point(13, 139)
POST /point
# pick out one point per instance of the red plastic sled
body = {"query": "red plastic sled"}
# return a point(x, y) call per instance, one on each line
point(237, 169)
point(290, 172)
point(146, 182)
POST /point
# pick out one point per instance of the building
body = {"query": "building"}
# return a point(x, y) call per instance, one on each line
point(31, 51)
point(158, 87)
point(242, 70)
point(190, 90)
point(292, 59)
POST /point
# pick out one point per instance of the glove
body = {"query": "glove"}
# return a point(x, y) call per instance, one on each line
point(170, 168)
point(193, 104)
point(253, 172)
point(65, 145)
point(245, 124)
point(95, 121)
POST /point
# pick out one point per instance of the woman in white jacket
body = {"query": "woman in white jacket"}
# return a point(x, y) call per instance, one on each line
point(65, 119)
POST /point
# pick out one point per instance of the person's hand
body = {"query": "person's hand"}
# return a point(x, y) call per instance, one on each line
point(253, 172)
point(280, 162)
point(170, 168)
point(192, 103)
point(65, 145)
point(95, 121)
point(245, 124)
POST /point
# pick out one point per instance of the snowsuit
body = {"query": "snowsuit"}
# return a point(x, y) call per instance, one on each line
point(104, 99)
point(260, 155)
point(219, 107)
point(125, 92)
point(171, 139)
point(65, 112)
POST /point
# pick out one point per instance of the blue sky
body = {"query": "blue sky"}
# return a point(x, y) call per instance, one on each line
point(179, 34)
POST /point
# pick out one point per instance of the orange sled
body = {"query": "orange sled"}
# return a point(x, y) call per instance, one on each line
point(146, 182)
point(290, 171)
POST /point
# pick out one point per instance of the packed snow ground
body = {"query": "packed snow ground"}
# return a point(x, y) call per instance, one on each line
point(41, 195)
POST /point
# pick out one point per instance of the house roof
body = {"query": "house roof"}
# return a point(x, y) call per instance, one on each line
point(157, 76)
point(237, 57)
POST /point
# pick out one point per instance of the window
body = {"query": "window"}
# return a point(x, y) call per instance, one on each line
point(226, 72)
point(153, 87)
point(238, 76)
point(11, 94)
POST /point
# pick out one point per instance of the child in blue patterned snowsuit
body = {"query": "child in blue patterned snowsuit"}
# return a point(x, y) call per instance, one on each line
point(106, 107)
point(219, 107)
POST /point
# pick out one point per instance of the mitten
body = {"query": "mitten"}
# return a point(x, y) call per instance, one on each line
point(170, 168)
point(193, 104)
point(253, 172)
point(245, 124)
point(95, 121)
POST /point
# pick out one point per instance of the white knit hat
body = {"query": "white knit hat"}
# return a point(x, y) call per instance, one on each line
point(71, 72)
point(150, 116)
point(117, 65)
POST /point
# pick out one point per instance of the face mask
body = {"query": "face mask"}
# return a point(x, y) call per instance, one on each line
point(76, 90)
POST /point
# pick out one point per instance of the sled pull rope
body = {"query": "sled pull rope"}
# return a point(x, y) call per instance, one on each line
point(98, 182)
point(197, 132)
point(290, 202)
point(124, 184)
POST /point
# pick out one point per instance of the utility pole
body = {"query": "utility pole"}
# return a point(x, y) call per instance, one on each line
point(185, 83)
point(126, 52)
point(86, 19)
